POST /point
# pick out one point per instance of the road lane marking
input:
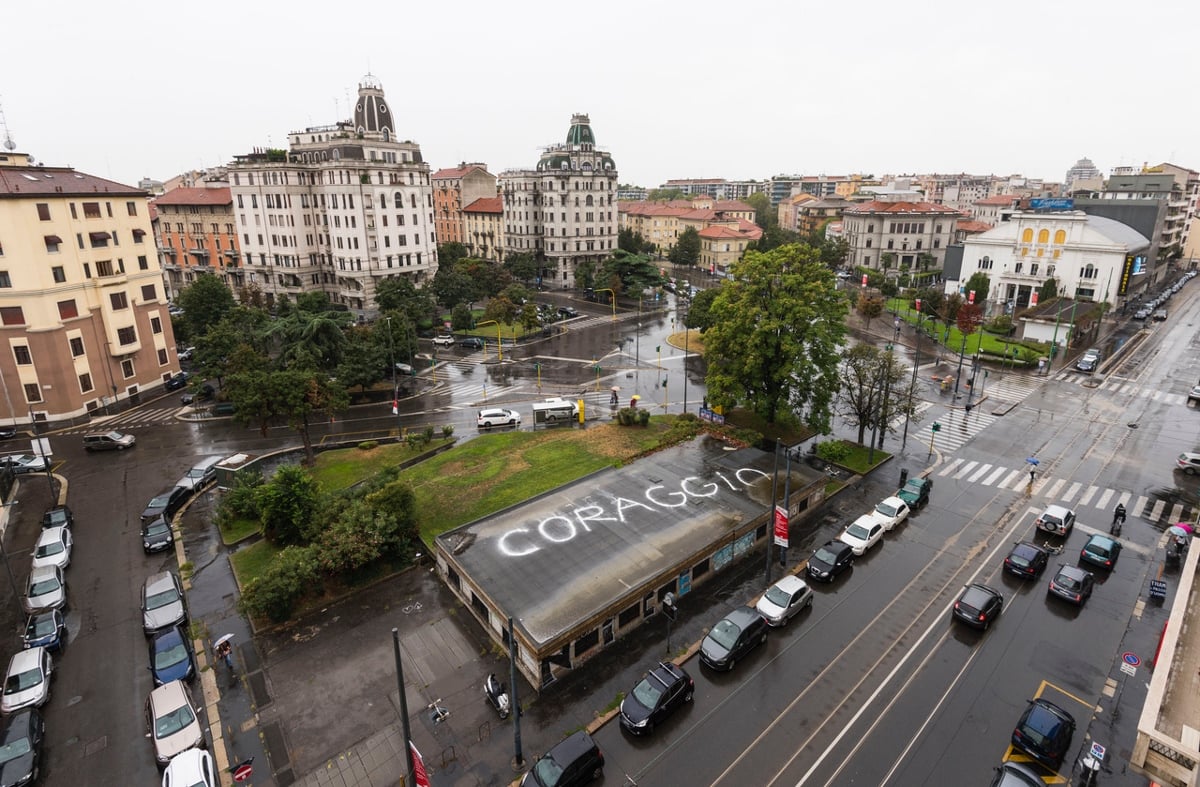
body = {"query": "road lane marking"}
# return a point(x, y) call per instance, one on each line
point(1088, 495)
point(976, 475)
point(968, 467)
point(1057, 486)
point(948, 469)
point(1103, 501)
point(1074, 490)
point(992, 478)
point(1013, 476)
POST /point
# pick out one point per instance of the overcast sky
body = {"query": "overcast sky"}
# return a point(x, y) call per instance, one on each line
point(698, 89)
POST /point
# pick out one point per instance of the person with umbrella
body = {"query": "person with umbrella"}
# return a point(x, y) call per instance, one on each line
point(615, 399)
point(223, 649)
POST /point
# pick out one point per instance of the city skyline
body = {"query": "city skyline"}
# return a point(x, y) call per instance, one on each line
point(673, 91)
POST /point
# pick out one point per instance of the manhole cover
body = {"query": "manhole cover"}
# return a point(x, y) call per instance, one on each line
point(95, 746)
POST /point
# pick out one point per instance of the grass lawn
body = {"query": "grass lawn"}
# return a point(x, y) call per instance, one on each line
point(336, 470)
point(857, 459)
point(979, 341)
point(238, 530)
point(253, 560)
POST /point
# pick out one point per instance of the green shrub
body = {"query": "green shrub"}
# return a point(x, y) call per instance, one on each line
point(1002, 325)
point(427, 435)
point(367, 445)
point(414, 441)
point(643, 417)
point(290, 505)
point(292, 573)
point(447, 431)
point(833, 451)
point(240, 502)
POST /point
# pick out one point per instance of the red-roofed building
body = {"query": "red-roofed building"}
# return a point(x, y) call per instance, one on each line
point(723, 244)
point(483, 223)
point(965, 229)
point(995, 209)
point(899, 236)
point(83, 317)
point(197, 234)
point(660, 223)
point(452, 189)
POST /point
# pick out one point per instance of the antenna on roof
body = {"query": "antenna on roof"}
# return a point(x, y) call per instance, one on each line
point(8, 140)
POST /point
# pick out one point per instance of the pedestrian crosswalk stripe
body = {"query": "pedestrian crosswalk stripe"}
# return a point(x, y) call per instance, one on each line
point(1058, 484)
point(978, 473)
point(1088, 495)
point(999, 471)
point(1013, 476)
point(1103, 501)
point(948, 469)
point(1176, 513)
point(966, 469)
point(1074, 490)
point(1158, 509)
point(1124, 500)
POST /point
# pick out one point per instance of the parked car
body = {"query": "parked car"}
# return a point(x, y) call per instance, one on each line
point(575, 760)
point(890, 512)
point(163, 603)
point(444, 340)
point(1100, 550)
point(472, 343)
point(1088, 361)
point(784, 600)
point(863, 533)
point(171, 656)
point(733, 637)
point(1194, 394)
point(157, 535)
point(203, 393)
point(1160, 315)
point(53, 548)
point(498, 416)
point(192, 768)
point(1056, 520)
point(222, 408)
point(1044, 732)
point(1072, 584)
point(829, 560)
point(405, 369)
point(1026, 560)
point(1141, 313)
point(21, 747)
point(175, 382)
point(186, 353)
point(916, 492)
point(165, 504)
point(200, 474)
point(108, 441)
point(45, 629)
point(8, 432)
point(171, 721)
point(47, 589)
point(59, 516)
point(1189, 462)
point(27, 682)
point(978, 605)
point(567, 312)
point(656, 696)
point(24, 463)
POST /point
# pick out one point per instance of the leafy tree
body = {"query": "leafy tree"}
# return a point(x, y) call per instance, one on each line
point(521, 266)
point(686, 250)
point(529, 317)
point(461, 318)
point(397, 501)
point(777, 324)
point(634, 273)
point(363, 360)
point(887, 260)
point(399, 294)
point(873, 389)
point(834, 251)
point(979, 282)
point(629, 241)
point(969, 317)
point(488, 278)
point(870, 304)
point(1048, 290)
point(294, 394)
point(216, 348)
point(664, 195)
point(204, 302)
point(395, 336)
point(312, 339)
point(501, 309)
point(774, 237)
point(293, 572)
point(699, 314)
point(933, 301)
point(452, 287)
point(289, 505)
point(765, 215)
point(450, 253)
point(252, 295)
point(585, 275)
point(517, 293)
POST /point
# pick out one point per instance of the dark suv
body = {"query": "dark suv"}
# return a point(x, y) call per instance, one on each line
point(734, 636)
point(1044, 732)
point(573, 761)
point(662, 690)
point(916, 492)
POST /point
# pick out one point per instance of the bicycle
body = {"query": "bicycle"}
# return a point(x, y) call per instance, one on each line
point(438, 713)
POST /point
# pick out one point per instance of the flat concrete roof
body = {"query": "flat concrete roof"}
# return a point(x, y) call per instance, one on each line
point(558, 559)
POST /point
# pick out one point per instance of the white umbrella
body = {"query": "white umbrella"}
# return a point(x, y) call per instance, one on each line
point(222, 640)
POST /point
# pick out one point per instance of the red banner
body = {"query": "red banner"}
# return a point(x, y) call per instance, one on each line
point(419, 775)
point(781, 526)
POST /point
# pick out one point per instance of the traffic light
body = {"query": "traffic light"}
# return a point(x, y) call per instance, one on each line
point(937, 427)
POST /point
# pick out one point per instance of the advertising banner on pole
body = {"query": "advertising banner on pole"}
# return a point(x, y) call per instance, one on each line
point(781, 526)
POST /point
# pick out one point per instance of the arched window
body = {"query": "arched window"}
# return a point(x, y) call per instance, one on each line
point(1027, 235)
point(399, 199)
point(1043, 236)
point(1060, 236)
point(387, 135)
point(1087, 271)
point(588, 201)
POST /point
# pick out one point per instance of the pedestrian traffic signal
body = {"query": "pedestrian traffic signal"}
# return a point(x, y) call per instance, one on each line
point(937, 427)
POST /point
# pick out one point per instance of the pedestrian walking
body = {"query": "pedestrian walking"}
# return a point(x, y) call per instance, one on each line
point(224, 652)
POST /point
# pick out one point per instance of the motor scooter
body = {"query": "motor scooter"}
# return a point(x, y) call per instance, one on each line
point(496, 695)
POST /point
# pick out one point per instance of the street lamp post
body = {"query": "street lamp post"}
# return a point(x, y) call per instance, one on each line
point(912, 385)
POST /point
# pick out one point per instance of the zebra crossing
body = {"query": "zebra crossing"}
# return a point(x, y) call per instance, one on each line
point(469, 394)
point(133, 419)
point(1074, 494)
point(957, 427)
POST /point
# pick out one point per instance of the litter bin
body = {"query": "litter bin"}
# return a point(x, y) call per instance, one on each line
point(903, 476)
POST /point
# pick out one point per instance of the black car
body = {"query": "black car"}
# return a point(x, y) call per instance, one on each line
point(45, 629)
point(157, 535)
point(21, 747)
point(978, 606)
point(663, 689)
point(177, 381)
point(165, 504)
point(1044, 732)
point(8, 432)
point(573, 761)
point(566, 312)
point(830, 560)
point(1026, 560)
point(205, 391)
point(472, 343)
point(733, 637)
point(1073, 584)
point(59, 516)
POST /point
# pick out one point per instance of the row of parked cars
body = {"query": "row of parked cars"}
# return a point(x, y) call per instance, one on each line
point(173, 724)
point(1155, 308)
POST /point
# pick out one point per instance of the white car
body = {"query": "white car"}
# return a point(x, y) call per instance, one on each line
point(53, 548)
point(891, 512)
point(445, 341)
point(192, 768)
point(498, 416)
point(46, 590)
point(173, 726)
point(24, 463)
point(784, 599)
point(27, 682)
point(862, 534)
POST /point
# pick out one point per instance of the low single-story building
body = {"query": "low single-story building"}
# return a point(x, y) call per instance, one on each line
point(582, 565)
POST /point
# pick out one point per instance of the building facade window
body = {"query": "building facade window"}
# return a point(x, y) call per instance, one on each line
point(59, 274)
point(21, 353)
point(149, 293)
point(118, 300)
point(85, 382)
point(67, 309)
point(162, 358)
point(12, 315)
point(76, 346)
point(43, 210)
point(126, 335)
point(33, 392)
point(127, 368)
point(5, 280)
point(155, 325)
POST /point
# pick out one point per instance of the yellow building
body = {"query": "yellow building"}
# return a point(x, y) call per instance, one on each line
point(83, 316)
point(483, 222)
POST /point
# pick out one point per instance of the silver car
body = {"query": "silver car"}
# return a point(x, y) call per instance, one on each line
point(163, 603)
point(46, 590)
point(172, 723)
point(53, 548)
point(27, 682)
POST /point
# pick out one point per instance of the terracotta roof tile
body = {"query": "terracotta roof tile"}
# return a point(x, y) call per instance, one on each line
point(973, 226)
point(1000, 199)
point(59, 182)
point(876, 206)
point(195, 196)
point(486, 205)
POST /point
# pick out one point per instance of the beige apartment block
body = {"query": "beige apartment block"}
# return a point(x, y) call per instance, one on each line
point(454, 188)
point(483, 221)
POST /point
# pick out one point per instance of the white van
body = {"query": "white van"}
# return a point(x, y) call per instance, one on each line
point(556, 410)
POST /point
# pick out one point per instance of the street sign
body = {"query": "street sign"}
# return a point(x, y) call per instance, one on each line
point(918, 304)
point(971, 297)
point(243, 770)
point(781, 526)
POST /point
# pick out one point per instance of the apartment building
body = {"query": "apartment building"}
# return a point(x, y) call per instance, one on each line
point(452, 189)
point(715, 188)
point(723, 244)
point(196, 231)
point(661, 223)
point(483, 222)
point(342, 208)
point(905, 230)
point(564, 211)
point(996, 209)
point(83, 317)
